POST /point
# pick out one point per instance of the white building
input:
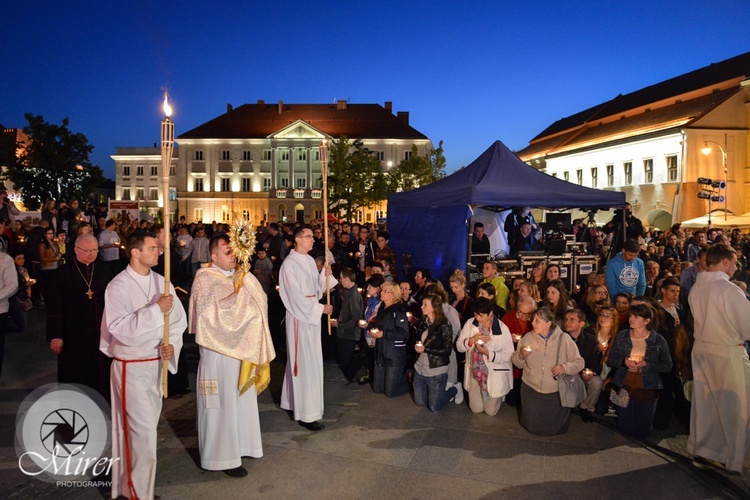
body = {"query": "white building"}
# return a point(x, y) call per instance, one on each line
point(263, 160)
point(138, 177)
point(648, 143)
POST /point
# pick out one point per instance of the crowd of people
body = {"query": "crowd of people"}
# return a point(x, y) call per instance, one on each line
point(651, 332)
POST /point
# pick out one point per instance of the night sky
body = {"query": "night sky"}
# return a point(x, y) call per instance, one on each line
point(469, 73)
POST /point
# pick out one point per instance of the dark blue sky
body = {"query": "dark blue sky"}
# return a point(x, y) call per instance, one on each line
point(469, 73)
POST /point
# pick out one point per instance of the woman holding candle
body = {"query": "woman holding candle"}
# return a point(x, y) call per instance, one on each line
point(49, 257)
point(556, 299)
point(361, 367)
point(537, 355)
point(488, 346)
point(638, 355)
point(391, 332)
point(434, 345)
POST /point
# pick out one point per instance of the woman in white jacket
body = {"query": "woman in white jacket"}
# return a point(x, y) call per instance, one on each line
point(488, 346)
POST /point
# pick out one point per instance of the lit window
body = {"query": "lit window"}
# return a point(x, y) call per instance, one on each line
point(648, 170)
point(610, 175)
point(628, 169)
point(594, 177)
point(672, 168)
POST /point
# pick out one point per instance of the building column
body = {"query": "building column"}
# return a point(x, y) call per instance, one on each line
point(273, 168)
point(291, 168)
point(308, 169)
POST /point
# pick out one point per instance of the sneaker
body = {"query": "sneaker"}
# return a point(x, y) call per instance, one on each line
point(611, 411)
point(448, 385)
point(459, 395)
point(706, 464)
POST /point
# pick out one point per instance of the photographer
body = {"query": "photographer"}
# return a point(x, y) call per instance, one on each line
point(633, 228)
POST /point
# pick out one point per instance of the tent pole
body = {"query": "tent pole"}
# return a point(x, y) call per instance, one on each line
point(468, 253)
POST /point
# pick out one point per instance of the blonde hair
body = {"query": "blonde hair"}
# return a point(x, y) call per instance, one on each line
point(533, 290)
point(394, 289)
point(458, 277)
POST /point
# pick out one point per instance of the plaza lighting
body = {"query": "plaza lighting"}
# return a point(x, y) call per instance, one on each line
point(706, 150)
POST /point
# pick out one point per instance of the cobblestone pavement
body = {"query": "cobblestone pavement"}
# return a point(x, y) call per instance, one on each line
point(375, 447)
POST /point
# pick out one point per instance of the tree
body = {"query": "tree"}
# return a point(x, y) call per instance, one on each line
point(54, 164)
point(417, 170)
point(355, 178)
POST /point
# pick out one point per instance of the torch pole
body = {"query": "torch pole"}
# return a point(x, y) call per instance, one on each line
point(324, 173)
point(167, 145)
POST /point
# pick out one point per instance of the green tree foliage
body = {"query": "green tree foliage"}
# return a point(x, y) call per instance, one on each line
point(355, 178)
point(54, 164)
point(417, 170)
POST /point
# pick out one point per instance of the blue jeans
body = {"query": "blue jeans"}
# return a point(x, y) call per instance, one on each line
point(430, 391)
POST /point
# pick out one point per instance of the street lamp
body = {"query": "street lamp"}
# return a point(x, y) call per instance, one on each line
point(706, 150)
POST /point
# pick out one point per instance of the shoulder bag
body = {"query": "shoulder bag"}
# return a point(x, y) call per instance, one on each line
point(571, 388)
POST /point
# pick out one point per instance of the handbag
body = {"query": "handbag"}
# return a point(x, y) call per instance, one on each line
point(570, 387)
point(620, 398)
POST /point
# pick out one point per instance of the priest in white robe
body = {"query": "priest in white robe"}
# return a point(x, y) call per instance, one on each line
point(229, 316)
point(301, 286)
point(720, 414)
point(132, 333)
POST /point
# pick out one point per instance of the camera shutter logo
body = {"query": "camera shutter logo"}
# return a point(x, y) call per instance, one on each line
point(63, 433)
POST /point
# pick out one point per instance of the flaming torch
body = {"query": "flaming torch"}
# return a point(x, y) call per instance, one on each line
point(324, 173)
point(167, 145)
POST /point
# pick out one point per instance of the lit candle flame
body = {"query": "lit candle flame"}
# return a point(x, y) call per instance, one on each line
point(167, 107)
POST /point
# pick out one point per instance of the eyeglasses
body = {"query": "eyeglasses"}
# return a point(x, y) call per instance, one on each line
point(95, 250)
point(307, 236)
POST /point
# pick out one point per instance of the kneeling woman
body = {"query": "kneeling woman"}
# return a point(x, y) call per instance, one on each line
point(391, 331)
point(488, 346)
point(537, 355)
point(434, 345)
point(637, 357)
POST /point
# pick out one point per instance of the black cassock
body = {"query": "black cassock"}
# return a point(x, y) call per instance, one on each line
point(76, 319)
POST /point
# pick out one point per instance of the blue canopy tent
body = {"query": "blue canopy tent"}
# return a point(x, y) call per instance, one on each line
point(432, 222)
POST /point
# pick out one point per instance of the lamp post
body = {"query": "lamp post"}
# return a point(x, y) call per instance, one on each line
point(706, 150)
point(167, 146)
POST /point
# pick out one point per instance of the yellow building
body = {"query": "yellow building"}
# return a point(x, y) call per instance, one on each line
point(649, 143)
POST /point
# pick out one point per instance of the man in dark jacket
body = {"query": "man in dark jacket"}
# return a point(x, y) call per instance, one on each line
point(588, 347)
